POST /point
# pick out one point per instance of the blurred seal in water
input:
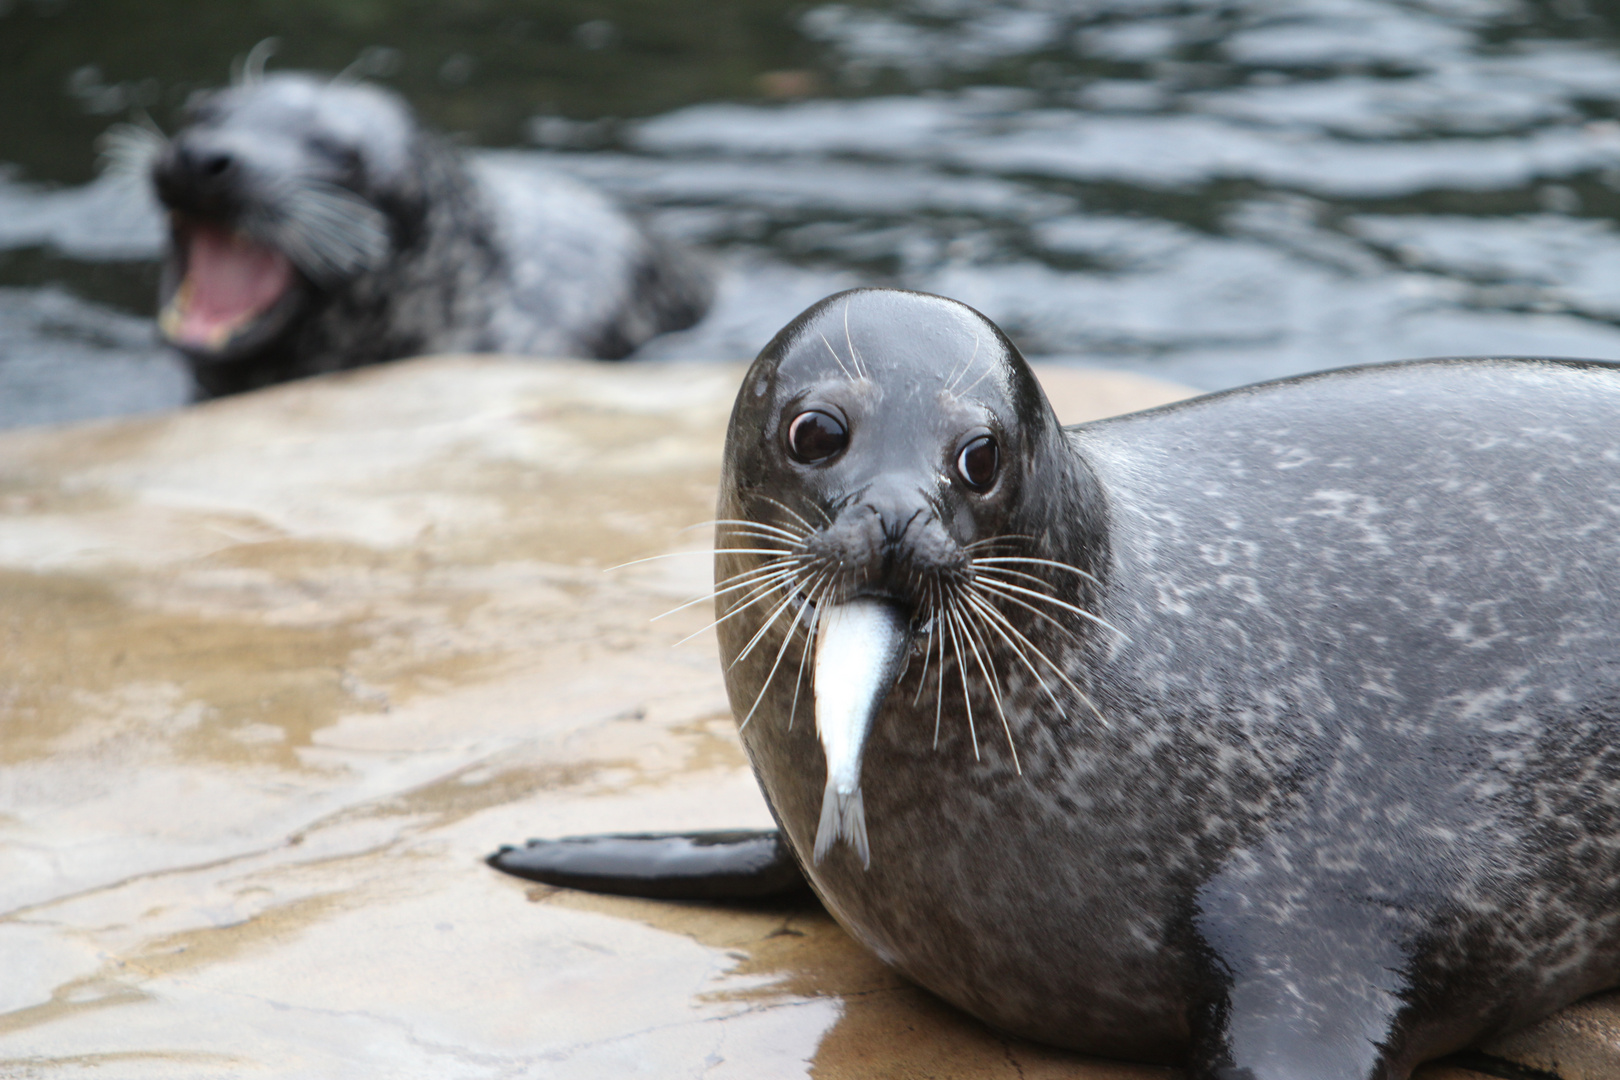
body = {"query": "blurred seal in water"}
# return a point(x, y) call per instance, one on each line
point(1276, 732)
point(314, 226)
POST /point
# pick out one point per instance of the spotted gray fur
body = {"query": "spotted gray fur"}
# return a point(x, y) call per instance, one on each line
point(1352, 800)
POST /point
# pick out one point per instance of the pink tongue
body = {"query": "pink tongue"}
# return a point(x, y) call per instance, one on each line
point(230, 280)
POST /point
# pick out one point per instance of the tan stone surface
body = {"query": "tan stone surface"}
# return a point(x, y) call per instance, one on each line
point(1581, 1042)
point(276, 673)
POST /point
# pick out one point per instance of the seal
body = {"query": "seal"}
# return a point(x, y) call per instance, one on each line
point(1275, 732)
point(315, 226)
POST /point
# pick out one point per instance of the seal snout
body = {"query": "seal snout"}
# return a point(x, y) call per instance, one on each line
point(888, 546)
point(199, 175)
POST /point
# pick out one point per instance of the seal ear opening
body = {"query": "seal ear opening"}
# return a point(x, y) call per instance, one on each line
point(861, 650)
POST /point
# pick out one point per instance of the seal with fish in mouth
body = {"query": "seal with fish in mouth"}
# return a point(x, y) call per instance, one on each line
point(1275, 732)
point(315, 226)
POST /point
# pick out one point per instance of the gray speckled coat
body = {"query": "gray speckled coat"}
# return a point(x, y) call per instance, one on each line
point(1346, 794)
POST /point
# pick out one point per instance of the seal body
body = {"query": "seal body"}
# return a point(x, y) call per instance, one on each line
point(316, 226)
point(1273, 732)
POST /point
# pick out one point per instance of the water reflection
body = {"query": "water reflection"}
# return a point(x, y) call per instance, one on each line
point(1207, 192)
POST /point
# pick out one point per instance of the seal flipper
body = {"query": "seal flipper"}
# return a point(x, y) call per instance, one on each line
point(737, 864)
point(1311, 984)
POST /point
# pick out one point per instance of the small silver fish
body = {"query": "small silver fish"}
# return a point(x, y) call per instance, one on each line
point(861, 650)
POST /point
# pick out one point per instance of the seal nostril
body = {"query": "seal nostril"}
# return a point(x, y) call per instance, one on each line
point(215, 164)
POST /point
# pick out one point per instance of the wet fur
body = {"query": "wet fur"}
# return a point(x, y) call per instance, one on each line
point(1343, 792)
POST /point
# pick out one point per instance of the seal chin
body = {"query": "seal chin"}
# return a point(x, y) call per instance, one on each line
point(861, 651)
point(226, 294)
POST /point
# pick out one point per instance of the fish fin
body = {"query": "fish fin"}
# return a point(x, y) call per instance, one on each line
point(843, 817)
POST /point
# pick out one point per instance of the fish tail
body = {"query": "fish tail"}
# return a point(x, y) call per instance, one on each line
point(843, 817)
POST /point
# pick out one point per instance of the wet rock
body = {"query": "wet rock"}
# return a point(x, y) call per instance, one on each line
point(1581, 1042)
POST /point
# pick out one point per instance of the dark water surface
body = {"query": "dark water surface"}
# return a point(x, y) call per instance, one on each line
point(1209, 192)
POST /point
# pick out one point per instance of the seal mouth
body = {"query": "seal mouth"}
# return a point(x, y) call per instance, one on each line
point(231, 292)
point(853, 617)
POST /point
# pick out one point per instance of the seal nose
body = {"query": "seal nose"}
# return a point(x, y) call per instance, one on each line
point(202, 163)
point(196, 174)
point(888, 538)
point(212, 164)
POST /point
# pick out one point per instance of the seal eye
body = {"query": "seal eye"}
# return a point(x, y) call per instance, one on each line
point(816, 436)
point(977, 462)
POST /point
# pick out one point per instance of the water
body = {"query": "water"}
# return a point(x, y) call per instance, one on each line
point(1209, 192)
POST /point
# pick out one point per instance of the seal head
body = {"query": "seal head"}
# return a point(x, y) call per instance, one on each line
point(923, 469)
point(276, 194)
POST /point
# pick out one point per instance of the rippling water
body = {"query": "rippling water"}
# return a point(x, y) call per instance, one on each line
point(1209, 192)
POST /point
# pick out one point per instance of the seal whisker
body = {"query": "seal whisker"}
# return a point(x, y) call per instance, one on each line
point(1056, 669)
point(730, 521)
point(1004, 538)
point(130, 149)
point(992, 680)
point(1000, 574)
point(1068, 631)
point(997, 583)
point(987, 373)
point(987, 585)
point(785, 508)
point(950, 387)
point(997, 577)
point(770, 621)
point(780, 564)
point(1039, 562)
point(776, 572)
point(990, 610)
point(249, 71)
point(784, 532)
point(939, 690)
point(761, 593)
point(767, 538)
point(787, 639)
point(328, 231)
point(761, 587)
point(836, 359)
point(854, 356)
point(711, 552)
point(922, 678)
point(993, 618)
point(809, 647)
point(772, 567)
point(961, 672)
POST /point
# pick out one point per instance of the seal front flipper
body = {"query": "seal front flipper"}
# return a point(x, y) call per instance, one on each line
point(1308, 982)
point(735, 864)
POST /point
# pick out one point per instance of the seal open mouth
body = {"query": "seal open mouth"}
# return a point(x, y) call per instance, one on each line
point(230, 286)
